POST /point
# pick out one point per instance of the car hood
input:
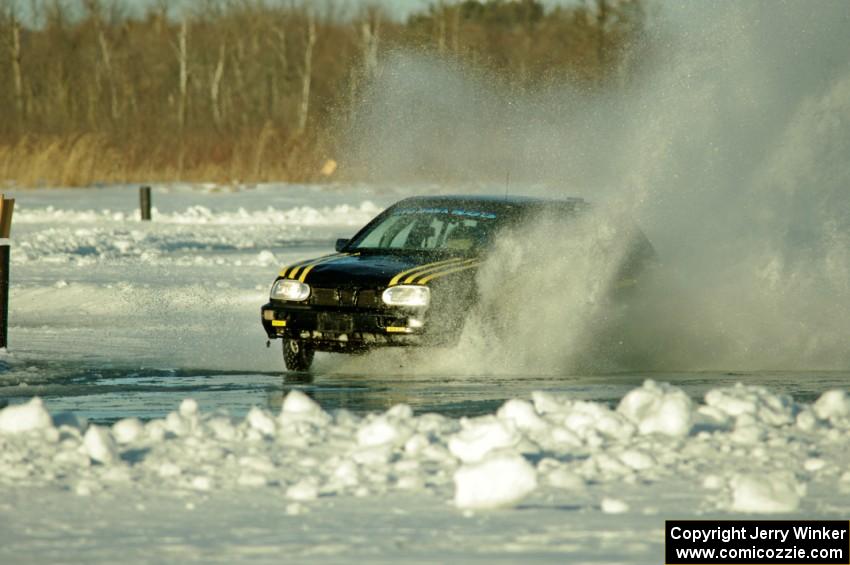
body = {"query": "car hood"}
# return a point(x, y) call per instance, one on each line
point(375, 270)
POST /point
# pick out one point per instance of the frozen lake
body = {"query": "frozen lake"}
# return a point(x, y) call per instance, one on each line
point(168, 431)
point(112, 317)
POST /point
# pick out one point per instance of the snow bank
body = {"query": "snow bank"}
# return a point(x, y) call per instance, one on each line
point(62, 236)
point(339, 215)
point(554, 443)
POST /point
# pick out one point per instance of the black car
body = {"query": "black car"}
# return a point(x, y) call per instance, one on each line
point(406, 279)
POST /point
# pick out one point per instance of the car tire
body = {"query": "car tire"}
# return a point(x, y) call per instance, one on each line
point(297, 355)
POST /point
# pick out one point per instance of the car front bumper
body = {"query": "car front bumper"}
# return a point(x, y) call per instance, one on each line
point(337, 329)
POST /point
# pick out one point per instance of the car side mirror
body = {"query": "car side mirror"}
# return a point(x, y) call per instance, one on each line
point(341, 244)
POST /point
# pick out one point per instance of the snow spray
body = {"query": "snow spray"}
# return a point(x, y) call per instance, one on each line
point(730, 149)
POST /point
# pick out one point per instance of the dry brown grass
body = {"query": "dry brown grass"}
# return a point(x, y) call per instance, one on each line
point(90, 158)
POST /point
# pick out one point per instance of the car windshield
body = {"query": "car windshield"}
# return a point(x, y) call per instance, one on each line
point(437, 229)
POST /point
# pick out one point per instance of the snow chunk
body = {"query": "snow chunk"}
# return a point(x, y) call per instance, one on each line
point(765, 494)
point(712, 482)
point(814, 464)
point(500, 480)
point(614, 506)
point(260, 420)
point(381, 431)
point(27, 417)
point(127, 430)
point(832, 405)
point(562, 478)
point(658, 408)
point(303, 491)
point(480, 436)
point(589, 419)
point(296, 402)
point(637, 460)
point(755, 401)
point(521, 413)
point(169, 469)
point(99, 445)
point(806, 420)
point(297, 406)
point(202, 483)
point(265, 258)
point(189, 408)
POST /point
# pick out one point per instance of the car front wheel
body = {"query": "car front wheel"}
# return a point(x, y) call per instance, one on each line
point(297, 355)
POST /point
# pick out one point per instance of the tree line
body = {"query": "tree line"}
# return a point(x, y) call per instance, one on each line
point(247, 90)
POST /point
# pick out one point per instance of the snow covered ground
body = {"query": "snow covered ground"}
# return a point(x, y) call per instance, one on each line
point(585, 469)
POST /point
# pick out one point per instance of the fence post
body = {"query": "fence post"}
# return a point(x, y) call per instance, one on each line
point(145, 202)
point(7, 206)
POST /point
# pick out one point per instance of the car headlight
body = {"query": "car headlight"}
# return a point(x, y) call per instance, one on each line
point(287, 289)
point(407, 295)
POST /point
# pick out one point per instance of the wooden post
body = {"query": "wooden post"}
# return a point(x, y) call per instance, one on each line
point(7, 206)
point(145, 202)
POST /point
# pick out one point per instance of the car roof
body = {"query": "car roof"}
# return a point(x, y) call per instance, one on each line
point(488, 200)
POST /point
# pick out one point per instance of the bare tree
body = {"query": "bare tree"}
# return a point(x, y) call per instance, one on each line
point(455, 29)
point(307, 73)
point(280, 33)
point(161, 15)
point(15, 59)
point(215, 87)
point(603, 15)
point(183, 85)
point(183, 59)
point(441, 27)
point(95, 11)
point(370, 33)
point(280, 49)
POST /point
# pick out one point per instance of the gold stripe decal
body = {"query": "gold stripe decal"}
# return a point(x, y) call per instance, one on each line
point(421, 268)
point(298, 264)
point(469, 264)
point(431, 269)
point(308, 265)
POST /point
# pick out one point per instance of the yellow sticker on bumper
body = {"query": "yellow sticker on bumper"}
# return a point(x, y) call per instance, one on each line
point(279, 323)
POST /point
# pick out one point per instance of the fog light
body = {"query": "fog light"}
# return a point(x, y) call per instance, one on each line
point(415, 323)
point(268, 314)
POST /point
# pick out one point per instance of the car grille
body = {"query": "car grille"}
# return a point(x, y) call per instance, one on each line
point(345, 297)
